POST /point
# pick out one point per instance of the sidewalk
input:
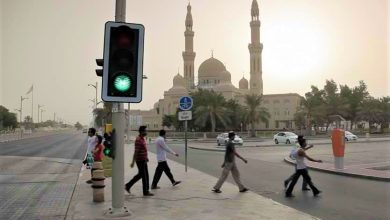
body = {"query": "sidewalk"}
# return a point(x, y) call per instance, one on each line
point(192, 199)
point(367, 171)
point(271, 144)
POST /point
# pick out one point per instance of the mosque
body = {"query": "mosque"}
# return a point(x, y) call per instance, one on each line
point(213, 75)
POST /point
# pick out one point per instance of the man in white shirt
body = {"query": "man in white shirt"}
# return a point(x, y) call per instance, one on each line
point(92, 142)
point(162, 148)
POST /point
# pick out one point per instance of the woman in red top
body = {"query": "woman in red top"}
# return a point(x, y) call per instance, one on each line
point(98, 151)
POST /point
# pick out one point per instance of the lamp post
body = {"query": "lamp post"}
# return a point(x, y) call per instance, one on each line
point(95, 86)
point(21, 107)
point(42, 110)
point(39, 106)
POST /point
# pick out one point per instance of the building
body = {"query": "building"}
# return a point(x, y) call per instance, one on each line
point(213, 75)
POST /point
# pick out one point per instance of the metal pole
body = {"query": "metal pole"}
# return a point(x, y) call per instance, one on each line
point(32, 105)
point(21, 106)
point(118, 120)
point(185, 143)
point(96, 95)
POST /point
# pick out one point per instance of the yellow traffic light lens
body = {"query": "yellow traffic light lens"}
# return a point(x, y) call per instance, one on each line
point(122, 83)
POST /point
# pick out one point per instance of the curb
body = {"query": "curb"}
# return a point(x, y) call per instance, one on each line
point(287, 160)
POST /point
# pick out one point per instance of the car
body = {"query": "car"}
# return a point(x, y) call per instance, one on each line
point(223, 138)
point(349, 136)
point(285, 137)
point(85, 130)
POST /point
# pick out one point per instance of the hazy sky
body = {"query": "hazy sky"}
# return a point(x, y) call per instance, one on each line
point(53, 45)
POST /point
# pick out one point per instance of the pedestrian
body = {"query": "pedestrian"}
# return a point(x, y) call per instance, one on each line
point(92, 142)
point(301, 169)
point(141, 158)
point(292, 156)
point(98, 151)
point(161, 149)
point(229, 165)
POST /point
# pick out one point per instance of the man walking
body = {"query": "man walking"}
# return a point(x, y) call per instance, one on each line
point(300, 155)
point(292, 156)
point(161, 149)
point(229, 165)
point(141, 158)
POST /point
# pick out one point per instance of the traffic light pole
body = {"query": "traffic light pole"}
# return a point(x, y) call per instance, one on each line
point(118, 120)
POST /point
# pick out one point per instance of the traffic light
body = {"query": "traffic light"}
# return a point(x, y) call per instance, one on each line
point(123, 62)
point(109, 147)
point(99, 72)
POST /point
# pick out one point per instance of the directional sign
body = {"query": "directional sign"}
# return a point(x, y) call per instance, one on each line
point(185, 103)
point(185, 115)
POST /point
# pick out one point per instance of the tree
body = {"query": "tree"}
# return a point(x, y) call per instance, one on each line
point(209, 108)
point(254, 112)
point(78, 126)
point(169, 120)
point(371, 112)
point(353, 98)
point(7, 119)
point(235, 113)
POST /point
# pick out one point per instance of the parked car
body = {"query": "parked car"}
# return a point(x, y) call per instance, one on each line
point(285, 137)
point(85, 130)
point(349, 136)
point(223, 138)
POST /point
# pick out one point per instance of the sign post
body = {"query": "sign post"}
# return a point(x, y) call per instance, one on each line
point(185, 104)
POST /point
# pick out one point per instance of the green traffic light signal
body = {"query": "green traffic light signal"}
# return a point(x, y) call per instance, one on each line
point(122, 83)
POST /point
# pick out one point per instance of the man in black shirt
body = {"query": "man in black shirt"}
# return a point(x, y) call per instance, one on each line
point(229, 165)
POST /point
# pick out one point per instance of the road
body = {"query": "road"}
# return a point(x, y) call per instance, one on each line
point(343, 197)
point(38, 175)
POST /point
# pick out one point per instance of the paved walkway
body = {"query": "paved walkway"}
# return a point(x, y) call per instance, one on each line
point(192, 199)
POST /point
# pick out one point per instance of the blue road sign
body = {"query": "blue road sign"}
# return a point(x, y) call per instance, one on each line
point(185, 103)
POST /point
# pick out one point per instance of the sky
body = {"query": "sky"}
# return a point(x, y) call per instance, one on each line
point(53, 44)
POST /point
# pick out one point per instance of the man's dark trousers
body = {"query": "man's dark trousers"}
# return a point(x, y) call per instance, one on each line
point(306, 177)
point(142, 174)
point(162, 167)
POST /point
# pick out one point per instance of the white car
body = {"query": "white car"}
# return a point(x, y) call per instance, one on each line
point(349, 136)
point(285, 137)
point(223, 138)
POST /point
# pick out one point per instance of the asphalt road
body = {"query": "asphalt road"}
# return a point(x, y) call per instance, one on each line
point(38, 175)
point(343, 197)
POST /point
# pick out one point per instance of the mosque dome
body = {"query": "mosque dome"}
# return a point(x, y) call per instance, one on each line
point(226, 77)
point(179, 80)
point(243, 84)
point(211, 68)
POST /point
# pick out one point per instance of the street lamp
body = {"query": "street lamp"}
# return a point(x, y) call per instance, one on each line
point(21, 107)
point(39, 106)
point(42, 110)
point(95, 86)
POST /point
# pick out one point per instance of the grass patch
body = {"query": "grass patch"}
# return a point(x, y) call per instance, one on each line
point(107, 166)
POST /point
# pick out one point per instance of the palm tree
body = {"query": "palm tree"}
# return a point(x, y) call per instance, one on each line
point(210, 109)
point(254, 112)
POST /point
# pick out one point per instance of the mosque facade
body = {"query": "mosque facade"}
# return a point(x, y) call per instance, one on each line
point(213, 75)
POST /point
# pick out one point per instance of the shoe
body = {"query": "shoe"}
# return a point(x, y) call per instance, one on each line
point(244, 190)
point(317, 193)
point(127, 189)
point(289, 195)
point(89, 181)
point(156, 187)
point(149, 194)
point(285, 184)
point(176, 183)
point(216, 190)
point(305, 189)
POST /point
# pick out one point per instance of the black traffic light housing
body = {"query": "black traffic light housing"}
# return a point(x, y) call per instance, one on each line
point(109, 144)
point(123, 62)
point(99, 62)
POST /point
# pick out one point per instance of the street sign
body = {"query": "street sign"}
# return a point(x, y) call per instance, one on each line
point(185, 115)
point(185, 103)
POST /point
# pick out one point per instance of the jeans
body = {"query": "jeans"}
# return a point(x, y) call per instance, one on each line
point(142, 174)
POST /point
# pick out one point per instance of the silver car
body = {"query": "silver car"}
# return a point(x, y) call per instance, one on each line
point(223, 138)
point(285, 137)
